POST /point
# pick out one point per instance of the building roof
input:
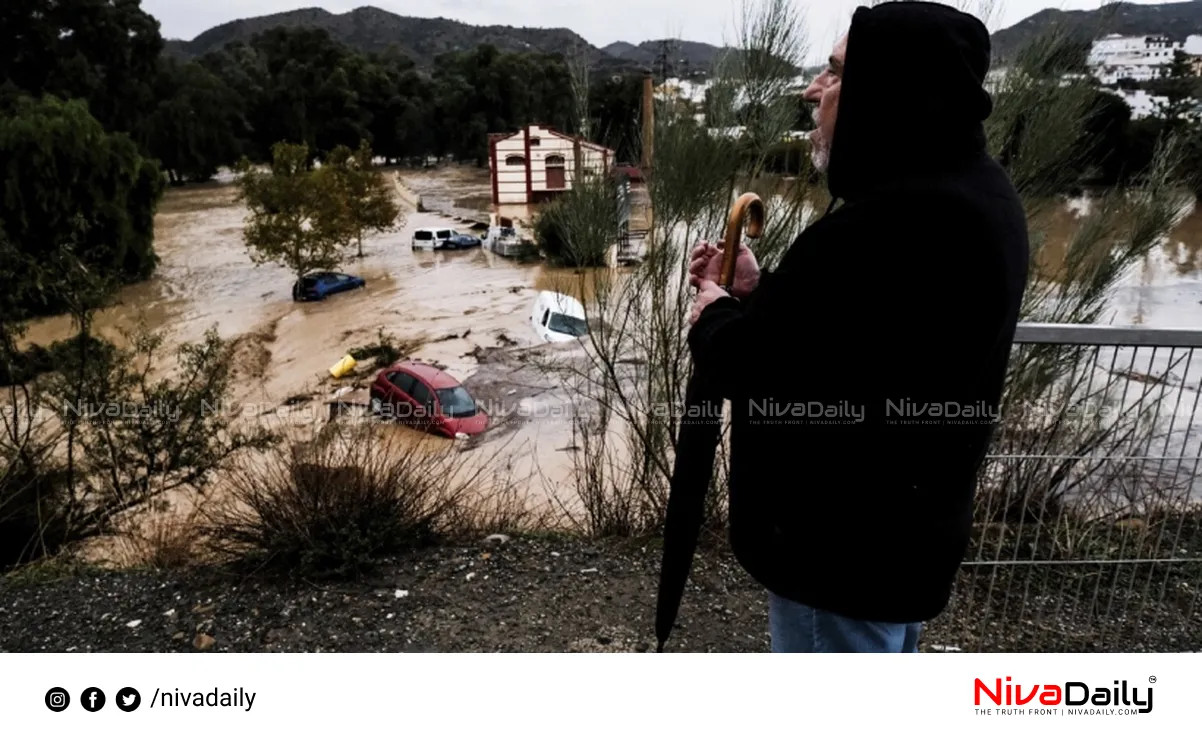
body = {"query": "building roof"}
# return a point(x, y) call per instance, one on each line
point(553, 132)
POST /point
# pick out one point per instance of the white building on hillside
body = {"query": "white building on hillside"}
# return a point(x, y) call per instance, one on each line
point(537, 163)
point(1140, 58)
point(696, 92)
point(675, 88)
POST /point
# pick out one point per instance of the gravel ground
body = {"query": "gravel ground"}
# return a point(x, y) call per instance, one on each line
point(525, 595)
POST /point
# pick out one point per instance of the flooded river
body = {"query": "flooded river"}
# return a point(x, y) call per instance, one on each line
point(451, 304)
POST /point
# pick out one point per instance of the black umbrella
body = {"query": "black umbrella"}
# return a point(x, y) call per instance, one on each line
point(700, 427)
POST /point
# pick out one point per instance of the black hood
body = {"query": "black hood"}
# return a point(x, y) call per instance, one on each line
point(913, 100)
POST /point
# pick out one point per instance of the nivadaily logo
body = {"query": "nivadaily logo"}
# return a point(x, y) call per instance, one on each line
point(1070, 698)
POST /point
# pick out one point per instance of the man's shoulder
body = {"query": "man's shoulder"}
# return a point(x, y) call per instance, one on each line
point(935, 205)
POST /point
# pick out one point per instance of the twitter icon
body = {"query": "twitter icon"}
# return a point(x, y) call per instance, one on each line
point(128, 699)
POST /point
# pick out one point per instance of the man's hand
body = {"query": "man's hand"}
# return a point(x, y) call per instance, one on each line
point(708, 294)
point(706, 265)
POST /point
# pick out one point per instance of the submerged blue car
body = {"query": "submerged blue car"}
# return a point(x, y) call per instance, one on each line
point(317, 286)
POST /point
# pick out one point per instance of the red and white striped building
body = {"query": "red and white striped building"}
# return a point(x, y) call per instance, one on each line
point(538, 162)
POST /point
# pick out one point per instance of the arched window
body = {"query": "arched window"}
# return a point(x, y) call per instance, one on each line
point(556, 173)
point(515, 160)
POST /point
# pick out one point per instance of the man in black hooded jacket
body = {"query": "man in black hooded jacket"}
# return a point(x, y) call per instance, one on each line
point(851, 497)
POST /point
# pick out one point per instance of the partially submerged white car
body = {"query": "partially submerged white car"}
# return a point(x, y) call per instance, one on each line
point(558, 318)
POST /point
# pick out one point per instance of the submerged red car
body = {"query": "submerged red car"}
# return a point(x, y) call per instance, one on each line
point(428, 399)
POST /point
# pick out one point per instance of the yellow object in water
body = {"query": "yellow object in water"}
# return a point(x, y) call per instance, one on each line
point(344, 367)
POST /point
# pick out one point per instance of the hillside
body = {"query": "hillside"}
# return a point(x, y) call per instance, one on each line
point(422, 39)
point(373, 30)
point(682, 57)
point(1176, 20)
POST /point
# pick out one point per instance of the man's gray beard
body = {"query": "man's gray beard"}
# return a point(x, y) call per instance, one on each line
point(820, 155)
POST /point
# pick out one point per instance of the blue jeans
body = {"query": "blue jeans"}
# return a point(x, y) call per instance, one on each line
point(797, 628)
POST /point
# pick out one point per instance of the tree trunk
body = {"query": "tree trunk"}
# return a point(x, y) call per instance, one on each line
point(81, 371)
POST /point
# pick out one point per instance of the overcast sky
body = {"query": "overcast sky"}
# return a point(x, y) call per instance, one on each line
point(601, 22)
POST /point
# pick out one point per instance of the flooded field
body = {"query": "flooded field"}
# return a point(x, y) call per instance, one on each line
point(468, 312)
point(451, 304)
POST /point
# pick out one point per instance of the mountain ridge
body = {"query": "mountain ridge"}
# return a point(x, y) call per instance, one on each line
point(1175, 20)
point(371, 29)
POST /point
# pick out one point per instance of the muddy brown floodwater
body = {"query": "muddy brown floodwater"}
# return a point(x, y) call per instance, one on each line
point(461, 307)
point(453, 303)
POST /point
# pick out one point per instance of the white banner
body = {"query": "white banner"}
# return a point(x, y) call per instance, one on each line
point(614, 697)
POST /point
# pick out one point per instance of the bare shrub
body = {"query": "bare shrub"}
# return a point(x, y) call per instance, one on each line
point(116, 433)
point(334, 506)
point(164, 542)
point(628, 379)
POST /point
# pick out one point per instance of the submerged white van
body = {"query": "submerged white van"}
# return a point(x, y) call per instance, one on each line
point(443, 238)
point(558, 318)
point(431, 239)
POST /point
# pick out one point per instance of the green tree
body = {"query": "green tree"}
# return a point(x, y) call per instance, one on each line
point(244, 71)
point(395, 97)
point(193, 129)
point(293, 220)
point(367, 196)
point(106, 52)
point(65, 180)
point(308, 95)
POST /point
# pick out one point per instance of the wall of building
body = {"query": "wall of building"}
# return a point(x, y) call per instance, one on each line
point(1140, 58)
point(511, 179)
point(550, 145)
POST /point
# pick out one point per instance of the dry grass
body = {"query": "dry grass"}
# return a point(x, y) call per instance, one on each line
point(163, 542)
point(336, 505)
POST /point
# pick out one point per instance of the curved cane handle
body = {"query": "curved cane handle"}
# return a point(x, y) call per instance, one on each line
point(749, 209)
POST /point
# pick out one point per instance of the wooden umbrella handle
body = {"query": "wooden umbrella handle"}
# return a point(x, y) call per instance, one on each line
point(749, 210)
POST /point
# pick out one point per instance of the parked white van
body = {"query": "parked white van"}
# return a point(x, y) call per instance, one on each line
point(444, 238)
point(432, 238)
point(558, 318)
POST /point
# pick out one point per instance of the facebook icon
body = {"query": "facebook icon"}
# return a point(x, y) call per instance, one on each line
point(92, 699)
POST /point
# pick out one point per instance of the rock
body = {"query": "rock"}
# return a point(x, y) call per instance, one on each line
point(203, 642)
point(497, 539)
point(178, 636)
point(401, 594)
point(134, 624)
point(610, 640)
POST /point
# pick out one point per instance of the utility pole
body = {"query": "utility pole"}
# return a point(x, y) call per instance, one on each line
point(663, 60)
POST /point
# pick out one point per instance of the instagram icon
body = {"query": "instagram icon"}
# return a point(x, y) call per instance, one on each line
point(57, 699)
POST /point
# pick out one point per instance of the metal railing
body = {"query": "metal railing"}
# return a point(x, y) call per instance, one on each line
point(1087, 533)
